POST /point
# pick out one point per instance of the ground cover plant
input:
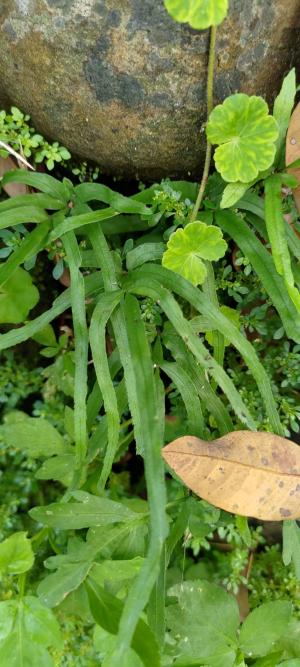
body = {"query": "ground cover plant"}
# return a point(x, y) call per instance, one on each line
point(174, 312)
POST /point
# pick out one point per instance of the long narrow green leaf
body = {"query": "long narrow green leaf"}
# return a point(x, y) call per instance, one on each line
point(197, 379)
point(157, 603)
point(81, 346)
point(140, 279)
point(76, 221)
point(146, 252)
point(256, 205)
point(190, 398)
point(97, 192)
point(135, 355)
point(283, 107)
point(22, 214)
point(253, 203)
point(107, 611)
point(42, 182)
point(30, 246)
point(16, 336)
point(95, 399)
point(169, 305)
point(263, 265)
point(142, 397)
point(44, 201)
point(276, 229)
point(98, 440)
point(178, 529)
point(100, 317)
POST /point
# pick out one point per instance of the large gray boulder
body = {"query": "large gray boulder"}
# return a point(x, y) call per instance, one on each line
point(120, 83)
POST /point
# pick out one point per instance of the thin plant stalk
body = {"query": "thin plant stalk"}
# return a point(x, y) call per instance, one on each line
point(210, 104)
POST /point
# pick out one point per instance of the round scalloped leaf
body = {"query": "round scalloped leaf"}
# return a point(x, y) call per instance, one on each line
point(200, 14)
point(187, 248)
point(246, 136)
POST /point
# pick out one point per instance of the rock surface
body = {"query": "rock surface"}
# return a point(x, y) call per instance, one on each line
point(120, 83)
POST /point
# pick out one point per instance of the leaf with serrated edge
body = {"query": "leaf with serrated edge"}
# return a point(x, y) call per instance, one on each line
point(200, 14)
point(89, 511)
point(34, 435)
point(187, 248)
point(265, 625)
point(244, 472)
point(245, 134)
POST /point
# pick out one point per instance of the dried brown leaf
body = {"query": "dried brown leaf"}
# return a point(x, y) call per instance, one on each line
point(292, 151)
point(11, 189)
point(244, 472)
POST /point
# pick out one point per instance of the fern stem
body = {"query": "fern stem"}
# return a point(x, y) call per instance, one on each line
point(210, 104)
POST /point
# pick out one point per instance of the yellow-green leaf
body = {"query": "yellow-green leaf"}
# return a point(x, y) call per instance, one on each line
point(187, 248)
point(16, 555)
point(200, 14)
point(245, 134)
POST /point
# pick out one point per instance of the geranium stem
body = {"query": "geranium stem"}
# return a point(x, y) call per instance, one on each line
point(210, 104)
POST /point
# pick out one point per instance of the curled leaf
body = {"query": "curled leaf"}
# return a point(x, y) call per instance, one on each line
point(200, 14)
point(245, 134)
point(244, 472)
point(187, 248)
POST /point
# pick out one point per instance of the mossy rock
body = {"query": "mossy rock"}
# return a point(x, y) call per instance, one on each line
point(120, 83)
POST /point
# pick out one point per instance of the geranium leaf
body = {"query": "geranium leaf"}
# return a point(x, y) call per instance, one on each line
point(247, 473)
point(200, 14)
point(17, 297)
point(245, 134)
point(187, 248)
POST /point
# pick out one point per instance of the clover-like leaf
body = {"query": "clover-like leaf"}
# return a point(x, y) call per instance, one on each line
point(246, 136)
point(17, 296)
point(187, 248)
point(200, 14)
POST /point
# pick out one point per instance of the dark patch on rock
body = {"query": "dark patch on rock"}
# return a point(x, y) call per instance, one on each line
point(59, 4)
point(152, 18)
point(227, 83)
point(110, 85)
point(161, 100)
point(114, 19)
point(100, 8)
point(10, 31)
